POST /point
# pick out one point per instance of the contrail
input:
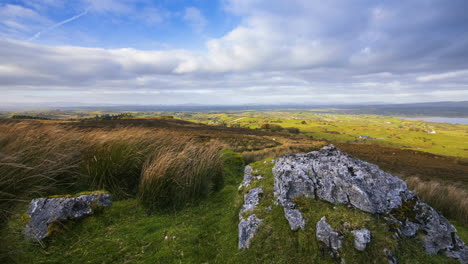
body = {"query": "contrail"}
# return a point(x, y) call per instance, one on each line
point(38, 34)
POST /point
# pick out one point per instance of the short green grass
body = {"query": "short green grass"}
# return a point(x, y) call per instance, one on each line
point(207, 232)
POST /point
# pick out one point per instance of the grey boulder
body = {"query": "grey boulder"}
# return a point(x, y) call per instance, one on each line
point(333, 176)
point(45, 211)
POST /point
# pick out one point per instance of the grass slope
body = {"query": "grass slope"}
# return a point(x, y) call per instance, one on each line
point(206, 232)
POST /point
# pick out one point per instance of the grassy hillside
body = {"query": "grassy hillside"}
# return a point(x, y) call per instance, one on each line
point(197, 222)
point(206, 232)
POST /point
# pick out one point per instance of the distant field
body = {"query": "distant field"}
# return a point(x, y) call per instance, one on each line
point(438, 138)
point(320, 124)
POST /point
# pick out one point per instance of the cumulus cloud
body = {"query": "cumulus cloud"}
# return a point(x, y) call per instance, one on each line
point(280, 52)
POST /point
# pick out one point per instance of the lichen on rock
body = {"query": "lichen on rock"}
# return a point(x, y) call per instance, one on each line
point(333, 176)
point(45, 213)
point(247, 229)
point(251, 199)
point(361, 238)
point(330, 238)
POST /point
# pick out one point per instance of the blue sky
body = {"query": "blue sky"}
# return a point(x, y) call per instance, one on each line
point(232, 51)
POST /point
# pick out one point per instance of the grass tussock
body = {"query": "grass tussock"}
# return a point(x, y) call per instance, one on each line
point(39, 158)
point(172, 178)
point(450, 199)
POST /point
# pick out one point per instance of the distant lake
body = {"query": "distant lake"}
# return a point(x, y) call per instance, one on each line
point(452, 120)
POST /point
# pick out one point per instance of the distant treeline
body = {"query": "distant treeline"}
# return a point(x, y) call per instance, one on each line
point(29, 117)
point(112, 117)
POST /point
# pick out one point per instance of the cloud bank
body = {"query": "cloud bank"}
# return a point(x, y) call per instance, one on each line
point(280, 52)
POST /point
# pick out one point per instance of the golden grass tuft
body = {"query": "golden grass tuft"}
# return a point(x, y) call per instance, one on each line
point(450, 199)
point(172, 178)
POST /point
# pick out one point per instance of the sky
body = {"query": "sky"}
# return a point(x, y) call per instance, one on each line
point(232, 52)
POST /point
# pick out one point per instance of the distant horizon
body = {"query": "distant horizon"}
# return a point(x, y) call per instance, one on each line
point(26, 107)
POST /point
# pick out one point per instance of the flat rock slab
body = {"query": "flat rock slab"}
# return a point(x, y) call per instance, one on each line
point(45, 211)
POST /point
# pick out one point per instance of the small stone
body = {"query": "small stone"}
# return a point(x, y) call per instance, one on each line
point(328, 236)
point(391, 258)
point(294, 218)
point(247, 229)
point(361, 238)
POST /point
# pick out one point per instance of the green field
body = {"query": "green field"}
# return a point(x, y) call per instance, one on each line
point(447, 139)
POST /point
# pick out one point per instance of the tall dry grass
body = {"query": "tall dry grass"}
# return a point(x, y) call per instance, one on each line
point(35, 160)
point(38, 159)
point(173, 177)
point(451, 200)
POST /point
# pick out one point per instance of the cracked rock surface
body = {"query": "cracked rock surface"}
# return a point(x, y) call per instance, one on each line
point(251, 199)
point(328, 236)
point(333, 176)
point(45, 211)
point(247, 229)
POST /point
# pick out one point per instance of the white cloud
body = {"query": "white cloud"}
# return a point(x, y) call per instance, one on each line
point(16, 21)
point(280, 52)
point(442, 76)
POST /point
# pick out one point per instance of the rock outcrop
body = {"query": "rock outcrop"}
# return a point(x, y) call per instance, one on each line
point(247, 229)
point(328, 236)
point(251, 199)
point(248, 177)
point(249, 226)
point(333, 176)
point(361, 238)
point(46, 211)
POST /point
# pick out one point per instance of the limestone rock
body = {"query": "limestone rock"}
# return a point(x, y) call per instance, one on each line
point(338, 178)
point(330, 238)
point(45, 211)
point(361, 238)
point(408, 228)
point(294, 218)
point(248, 177)
point(251, 199)
point(333, 176)
point(247, 229)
